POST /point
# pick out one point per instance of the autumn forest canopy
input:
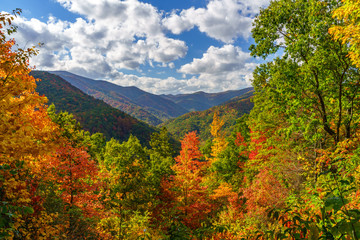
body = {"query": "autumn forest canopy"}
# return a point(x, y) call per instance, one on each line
point(290, 169)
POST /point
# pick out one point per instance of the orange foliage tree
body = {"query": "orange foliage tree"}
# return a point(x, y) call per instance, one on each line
point(190, 195)
point(71, 171)
point(26, 134)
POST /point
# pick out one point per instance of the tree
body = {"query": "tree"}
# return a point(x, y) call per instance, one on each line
point(347, 28)
point(26, 136)
point(219, 143)
point(161, 160)
point(127, 188)
point(230, 164)
point(75, 177)
point(306, 106)
point(313, 84)
point(190, 196)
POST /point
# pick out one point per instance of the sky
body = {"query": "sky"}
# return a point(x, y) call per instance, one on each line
point(160, 46)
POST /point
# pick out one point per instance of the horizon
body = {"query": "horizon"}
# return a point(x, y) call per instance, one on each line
point(190, 93)
point(161, 47)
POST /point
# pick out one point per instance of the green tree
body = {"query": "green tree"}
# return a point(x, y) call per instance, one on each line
point(161, 156)
point(313, 83)
point(127, 191)
point(306, 106)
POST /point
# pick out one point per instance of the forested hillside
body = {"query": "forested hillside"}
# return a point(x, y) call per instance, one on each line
point(200, 121)
point(290, 169)
point(94, 115)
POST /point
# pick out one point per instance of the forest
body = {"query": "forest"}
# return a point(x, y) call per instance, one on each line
point(290, 169)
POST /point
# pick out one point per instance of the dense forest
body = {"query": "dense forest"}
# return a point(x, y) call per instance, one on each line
point(290, 169)
point(200, 121)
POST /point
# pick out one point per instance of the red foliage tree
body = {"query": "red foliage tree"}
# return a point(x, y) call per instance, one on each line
point(75, 176)
point(190, 196)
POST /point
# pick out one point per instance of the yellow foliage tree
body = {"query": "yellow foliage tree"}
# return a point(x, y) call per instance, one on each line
point(348, 29)
point(218, 143)
point(26, 134)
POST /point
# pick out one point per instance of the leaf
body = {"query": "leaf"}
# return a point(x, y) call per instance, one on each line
point(334, 203)
point(28, 210)
point(355, 214)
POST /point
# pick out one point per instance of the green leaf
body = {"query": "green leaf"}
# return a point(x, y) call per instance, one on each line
point(354, 213)
point(334, 202)
point(28, 210)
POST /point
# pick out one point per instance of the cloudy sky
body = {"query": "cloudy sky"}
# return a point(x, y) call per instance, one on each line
point(160, 46)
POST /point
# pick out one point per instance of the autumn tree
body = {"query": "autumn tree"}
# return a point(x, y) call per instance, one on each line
point(189, 194)
point(218, 138)
point(73, 176)
point(347, 28)
point(27, 135)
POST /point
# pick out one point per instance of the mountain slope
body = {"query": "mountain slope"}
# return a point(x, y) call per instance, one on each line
point(200, 101)
point(200, 120)
point(94, 115)
point(151, 108)
point(140, 104)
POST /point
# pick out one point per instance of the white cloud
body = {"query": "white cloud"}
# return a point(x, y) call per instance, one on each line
point(179, 23)
point(112, 35)
point(221, 69)
point(224, 20)
point(217, 61)
point(171, 65)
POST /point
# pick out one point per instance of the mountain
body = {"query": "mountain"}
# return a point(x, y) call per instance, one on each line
point(132, 100)
point(151, 108)
point(94, 115)
point(200, 121)
point(200, 101)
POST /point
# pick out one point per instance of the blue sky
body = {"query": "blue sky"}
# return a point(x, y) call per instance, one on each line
point(160, 46)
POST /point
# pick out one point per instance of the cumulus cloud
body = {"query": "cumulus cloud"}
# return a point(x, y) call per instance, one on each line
point(221, 69)
point(217, 61)
point(112, 35)
point(224, 20)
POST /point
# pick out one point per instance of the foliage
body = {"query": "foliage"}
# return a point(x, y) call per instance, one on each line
point(26, 133)
point(189, 196)
point(288, 170)
point(313, 84)
point(94, 115)
point(200, 121)
point(348, 30)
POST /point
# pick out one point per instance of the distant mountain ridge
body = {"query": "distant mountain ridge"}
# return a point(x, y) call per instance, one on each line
point(93, 114)
point(200, 101)
point(132, 100)
point(148, 107)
